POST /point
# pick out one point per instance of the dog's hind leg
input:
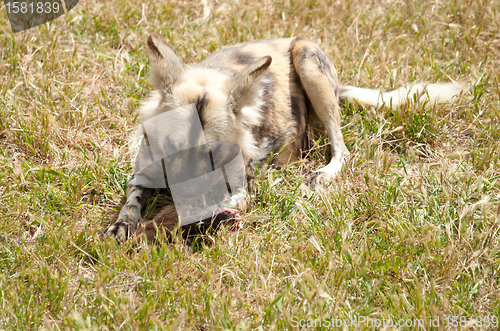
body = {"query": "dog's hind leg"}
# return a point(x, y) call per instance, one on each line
point(130, 213)
point(319, 80)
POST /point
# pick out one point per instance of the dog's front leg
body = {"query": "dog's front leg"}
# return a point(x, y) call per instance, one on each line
point(130, 213)
point(319, 80)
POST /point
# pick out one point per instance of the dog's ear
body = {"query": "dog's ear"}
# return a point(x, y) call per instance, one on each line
point(248, 81)
point(166, 65)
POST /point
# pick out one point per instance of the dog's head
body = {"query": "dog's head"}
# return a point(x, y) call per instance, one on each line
point(219, 98)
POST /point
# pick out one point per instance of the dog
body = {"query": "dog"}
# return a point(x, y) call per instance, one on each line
point(261, 95)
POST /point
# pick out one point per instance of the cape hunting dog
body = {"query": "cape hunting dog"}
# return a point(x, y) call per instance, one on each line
point(261, 95)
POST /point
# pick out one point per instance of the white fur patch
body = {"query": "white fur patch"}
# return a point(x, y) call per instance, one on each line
point(247, 142)
point(249, 116)
point(148, 108)
point(333, 168)
point(237, 197)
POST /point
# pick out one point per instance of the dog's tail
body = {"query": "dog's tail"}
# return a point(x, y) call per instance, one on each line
point(434, 93)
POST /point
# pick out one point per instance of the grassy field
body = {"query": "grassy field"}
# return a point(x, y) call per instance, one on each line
point(409, 231)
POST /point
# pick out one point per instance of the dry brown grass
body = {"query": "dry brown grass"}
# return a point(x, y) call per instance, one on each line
point(410, 230)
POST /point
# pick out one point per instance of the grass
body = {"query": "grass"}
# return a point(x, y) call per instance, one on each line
point(409, 230)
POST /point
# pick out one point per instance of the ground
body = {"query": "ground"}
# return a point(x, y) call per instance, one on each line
point(410, 230)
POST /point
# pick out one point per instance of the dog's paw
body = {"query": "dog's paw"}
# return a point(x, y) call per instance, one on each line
point(325, 175)
point(318, 178)
point(118, 230)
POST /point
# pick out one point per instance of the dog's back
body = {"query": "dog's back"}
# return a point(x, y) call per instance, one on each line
point(275, 113)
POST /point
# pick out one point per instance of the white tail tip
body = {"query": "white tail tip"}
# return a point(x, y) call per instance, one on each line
point(435, 93)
